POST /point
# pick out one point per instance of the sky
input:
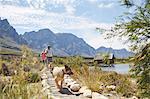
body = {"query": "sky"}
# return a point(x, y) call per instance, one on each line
point(79, 17)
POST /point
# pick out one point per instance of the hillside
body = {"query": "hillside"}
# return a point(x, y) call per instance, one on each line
point(10, 41)
point(6, 30)
point(62, 43)
point(118, 53)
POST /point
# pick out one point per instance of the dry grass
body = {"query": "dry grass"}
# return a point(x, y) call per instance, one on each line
point(94, 78)
point(23, 84)
point(16, 87)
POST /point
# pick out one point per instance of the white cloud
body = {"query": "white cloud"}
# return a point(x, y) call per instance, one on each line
point(97, 40)
point(26, 19)
point(104, 5)
point(68, 5)
point(70, 9)
point(92, 1)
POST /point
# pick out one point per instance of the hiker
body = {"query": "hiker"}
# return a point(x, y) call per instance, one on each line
point(43, 56)
point(47, 55)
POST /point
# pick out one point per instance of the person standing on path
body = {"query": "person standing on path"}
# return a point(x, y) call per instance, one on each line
point(46, 55)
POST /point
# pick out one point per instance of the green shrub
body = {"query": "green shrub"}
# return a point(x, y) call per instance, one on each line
point(33, 77)
point(4, 70)
point(141, 70)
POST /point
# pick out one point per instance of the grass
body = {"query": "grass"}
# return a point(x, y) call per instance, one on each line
point(18, 86)
point(23, 84)
point(6, 52)
point(95, 77)
point(21, 90)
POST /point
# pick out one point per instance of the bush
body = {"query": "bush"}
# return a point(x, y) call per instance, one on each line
point(33, 77)
point(4, 70)
point(141, 70)
point(27, 68)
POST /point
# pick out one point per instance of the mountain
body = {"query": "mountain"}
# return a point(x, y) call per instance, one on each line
point(73, 45)
point(6, 30)
point(118, 53)
point(9, 38)
point(62, 43)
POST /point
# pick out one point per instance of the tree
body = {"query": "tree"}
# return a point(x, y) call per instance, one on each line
point(136, 27)
point(141, 70)
point(106, 59)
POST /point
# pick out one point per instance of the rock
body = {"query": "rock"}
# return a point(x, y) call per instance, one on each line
point(101, 87)
point(96, 95)
point(47, 91)
point(82, 89)
point(44, 83)
point(44, 76)
point(87, 93)
point(134, 97)
point(71, 83)
point(15, 71)
point(113, 92)
point(111, 87)
point(45, 88)
point(123, 98)
point(75, 87)
point(108, 94)
point(66, 81)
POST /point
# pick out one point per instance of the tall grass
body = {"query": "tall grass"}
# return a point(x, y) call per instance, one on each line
point(94, 77)
point(20, 89)
point(23, 84)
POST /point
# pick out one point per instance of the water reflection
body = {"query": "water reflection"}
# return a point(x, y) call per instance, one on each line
point(119, 68)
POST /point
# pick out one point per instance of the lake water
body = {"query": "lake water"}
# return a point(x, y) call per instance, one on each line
point(119, 68)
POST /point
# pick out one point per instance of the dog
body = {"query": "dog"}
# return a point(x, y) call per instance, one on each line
point(58, 74)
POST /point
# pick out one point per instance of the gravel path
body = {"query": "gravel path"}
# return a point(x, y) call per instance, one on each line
point(50, 89)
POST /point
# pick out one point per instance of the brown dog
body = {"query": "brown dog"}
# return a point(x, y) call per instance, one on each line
point(58, 74)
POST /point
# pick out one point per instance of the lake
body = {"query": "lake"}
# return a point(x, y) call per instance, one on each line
point(119, 68)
